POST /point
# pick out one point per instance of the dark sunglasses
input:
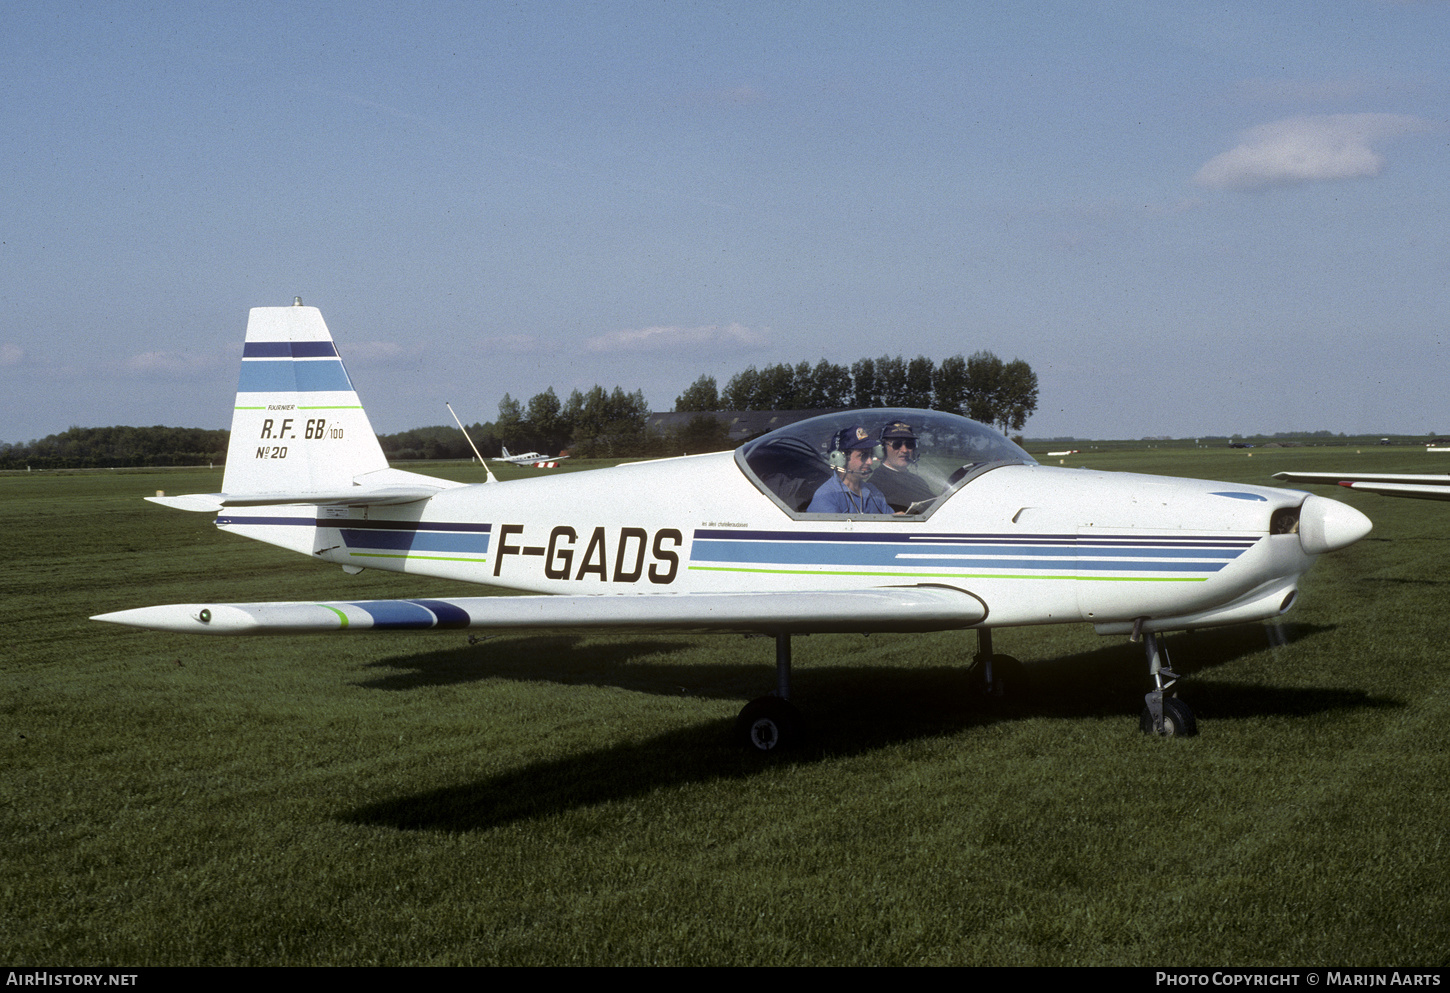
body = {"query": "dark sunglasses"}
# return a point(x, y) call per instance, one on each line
point(902, 443)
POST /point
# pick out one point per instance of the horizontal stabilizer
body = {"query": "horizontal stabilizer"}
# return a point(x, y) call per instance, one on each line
point(201, 503)
point(384, 488)
point(894, 608)
point(386, 497)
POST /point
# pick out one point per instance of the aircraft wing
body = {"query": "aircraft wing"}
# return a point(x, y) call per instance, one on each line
point(1421, 491)
point(890, 608)
point(1421, 486)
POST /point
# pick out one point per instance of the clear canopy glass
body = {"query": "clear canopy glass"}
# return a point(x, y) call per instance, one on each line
point(944, 453)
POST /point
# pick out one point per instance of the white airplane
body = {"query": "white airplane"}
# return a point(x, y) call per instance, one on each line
point(528, 458)
point(723, 542)
point(1419, 486)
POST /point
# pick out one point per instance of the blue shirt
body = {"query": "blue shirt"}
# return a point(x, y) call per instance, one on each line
point(832, 497)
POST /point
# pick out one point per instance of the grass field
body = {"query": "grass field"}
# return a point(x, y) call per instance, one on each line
point(414, 799)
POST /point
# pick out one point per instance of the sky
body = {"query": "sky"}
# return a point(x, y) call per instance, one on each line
point(1188, 218)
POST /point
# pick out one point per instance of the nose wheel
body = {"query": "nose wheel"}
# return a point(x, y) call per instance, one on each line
point(1175, 719)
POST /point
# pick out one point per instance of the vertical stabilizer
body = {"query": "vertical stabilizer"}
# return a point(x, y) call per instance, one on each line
point(298, 426)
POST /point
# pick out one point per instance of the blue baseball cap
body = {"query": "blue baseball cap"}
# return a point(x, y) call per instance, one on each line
point(854, 438)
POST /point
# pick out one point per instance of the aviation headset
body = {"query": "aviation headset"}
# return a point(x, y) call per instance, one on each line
point(849, 440)
point(900, 431)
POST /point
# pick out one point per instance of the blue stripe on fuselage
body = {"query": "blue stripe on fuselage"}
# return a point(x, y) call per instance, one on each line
point(225, 519)
point(1035, 558)
point(1100, 554)
point(394, 535)
point(946, 538)
point(416, 540)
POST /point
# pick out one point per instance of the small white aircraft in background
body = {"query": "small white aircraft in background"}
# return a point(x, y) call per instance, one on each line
point(1419, 486)
point(725, 542)
point(529, 458)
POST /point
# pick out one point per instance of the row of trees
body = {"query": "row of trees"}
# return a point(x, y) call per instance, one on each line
point(113, 447)
point(592, 424)
point(612, 423)
point(595, 423)
point(981, 387)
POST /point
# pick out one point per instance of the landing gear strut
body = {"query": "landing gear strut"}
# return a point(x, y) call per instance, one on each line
point(770, 723)
point(993, 676)
point(1166, 716)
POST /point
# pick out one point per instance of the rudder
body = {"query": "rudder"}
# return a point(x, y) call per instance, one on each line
point(298, 425)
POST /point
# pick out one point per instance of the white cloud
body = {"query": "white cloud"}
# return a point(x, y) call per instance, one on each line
point(1307, 149)
point(512, 344)
point(711, 337)
point(169, 365)
point(378, 353)
point(11, 354)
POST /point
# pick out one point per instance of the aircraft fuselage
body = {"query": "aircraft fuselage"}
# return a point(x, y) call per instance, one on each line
point(1038, 544)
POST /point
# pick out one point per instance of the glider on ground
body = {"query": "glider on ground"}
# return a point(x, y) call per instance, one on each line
point(738, 542)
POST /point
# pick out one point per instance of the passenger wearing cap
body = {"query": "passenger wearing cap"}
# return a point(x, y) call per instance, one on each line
point(853, 457)
point(897, 482)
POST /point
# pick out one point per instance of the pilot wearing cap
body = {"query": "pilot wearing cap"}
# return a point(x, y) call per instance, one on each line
point(853, 457)
point(897, 480)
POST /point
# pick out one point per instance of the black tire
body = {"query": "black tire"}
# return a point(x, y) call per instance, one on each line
point(1178, 719)
point(1008, 678)
point(769, 724)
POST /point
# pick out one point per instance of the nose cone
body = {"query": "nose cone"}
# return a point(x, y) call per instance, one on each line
point(1327, 525)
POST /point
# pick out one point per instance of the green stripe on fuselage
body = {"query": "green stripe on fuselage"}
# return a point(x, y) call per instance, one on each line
point(953, 575)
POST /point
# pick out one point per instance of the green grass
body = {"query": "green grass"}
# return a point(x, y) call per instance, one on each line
point(412, 798)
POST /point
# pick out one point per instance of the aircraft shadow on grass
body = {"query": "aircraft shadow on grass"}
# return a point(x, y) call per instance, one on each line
point(852, 710)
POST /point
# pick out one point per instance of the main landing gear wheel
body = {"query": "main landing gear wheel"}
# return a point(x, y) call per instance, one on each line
point(991, 675)
point(1178, 719)
point(769, 724)
point(1006, 678)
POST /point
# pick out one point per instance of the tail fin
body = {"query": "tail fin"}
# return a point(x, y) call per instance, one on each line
point(505, 450)
point(298, 426)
